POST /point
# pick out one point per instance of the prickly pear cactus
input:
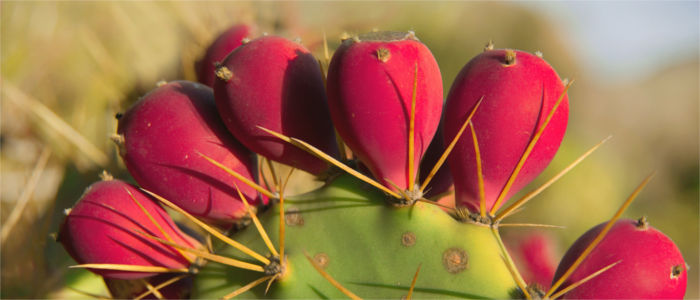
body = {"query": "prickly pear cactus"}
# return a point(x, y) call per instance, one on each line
point(369, 230)
point(371, 247)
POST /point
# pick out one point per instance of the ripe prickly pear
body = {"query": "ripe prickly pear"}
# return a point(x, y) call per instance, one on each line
point(649, 265)
point(217, 51)
point(536, 257)
point(370, 87)
point(277, 84)
point(369, 247)
point(106, 227)
point(519, 91)
point(164, 135)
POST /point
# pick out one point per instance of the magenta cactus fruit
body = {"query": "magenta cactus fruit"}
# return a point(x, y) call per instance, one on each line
point(164, 135)
point(106, 226)
point(277, 84)
point(649, 265)
point(370, 88)
point(519, 91)
point(217, 51)
point(536, 257)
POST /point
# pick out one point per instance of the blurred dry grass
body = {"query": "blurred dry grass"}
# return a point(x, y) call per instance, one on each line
point(72, 65)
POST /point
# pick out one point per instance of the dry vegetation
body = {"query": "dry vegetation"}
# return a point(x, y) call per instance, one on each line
point(68, 67)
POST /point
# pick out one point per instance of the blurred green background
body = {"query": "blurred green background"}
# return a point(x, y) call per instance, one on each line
point(68, 67)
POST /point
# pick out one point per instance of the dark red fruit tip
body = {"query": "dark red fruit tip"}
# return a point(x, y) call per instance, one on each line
point(383, 54)
point(642, 223)
point(227, 41)
point(509, 58)
point(676, 271)
point(223, 73)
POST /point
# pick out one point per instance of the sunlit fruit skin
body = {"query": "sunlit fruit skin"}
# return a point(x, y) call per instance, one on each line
point(217, 51)
point(277, 84)
point(370, 87)
point(164, 134)
point(535, 256)
point(647, 259)
point(517, 97)
point(104, 227)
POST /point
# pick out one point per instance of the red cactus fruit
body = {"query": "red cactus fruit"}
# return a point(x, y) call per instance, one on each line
point(442, 180)
point(650, 265)
point(106, 226)
point(370, 88)
point(277, 84)
point(519, 90)
point(164, 135)
point(536, 257)
point(217, 51)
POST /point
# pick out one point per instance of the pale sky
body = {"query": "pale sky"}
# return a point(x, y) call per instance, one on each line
point(620, 40)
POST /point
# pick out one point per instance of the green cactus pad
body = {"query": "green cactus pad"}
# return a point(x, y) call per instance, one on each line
point(371, 248)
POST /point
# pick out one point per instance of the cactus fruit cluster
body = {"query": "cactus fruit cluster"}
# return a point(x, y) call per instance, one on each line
point(375, 130)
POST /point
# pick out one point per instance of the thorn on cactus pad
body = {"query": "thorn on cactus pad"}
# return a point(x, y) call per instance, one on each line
point(413, 284)
point(534, 290)
point(330, 279)
point(275, 267)
point(480, 218)
point(246, 287)
point(462, 214)
point(415, 194)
